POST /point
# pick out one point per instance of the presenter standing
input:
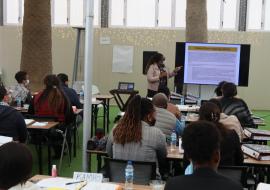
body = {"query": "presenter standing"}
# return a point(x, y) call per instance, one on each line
point(158, 74)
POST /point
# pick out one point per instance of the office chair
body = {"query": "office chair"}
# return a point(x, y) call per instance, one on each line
point(143, 171)
point(236, 173)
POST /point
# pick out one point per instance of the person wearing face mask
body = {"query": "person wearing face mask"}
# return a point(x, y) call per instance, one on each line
point(157, 74)
point(21, 90)
point(11, 121)
point(133, 138)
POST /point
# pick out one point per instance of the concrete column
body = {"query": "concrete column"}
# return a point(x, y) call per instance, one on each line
point(196, 21)
point(104, 13)
point(242, 24)
point(36, 57)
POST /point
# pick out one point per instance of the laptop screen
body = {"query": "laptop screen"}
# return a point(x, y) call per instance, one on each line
point(126, 86)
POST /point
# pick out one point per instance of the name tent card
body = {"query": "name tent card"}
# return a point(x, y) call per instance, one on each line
point(89, 177)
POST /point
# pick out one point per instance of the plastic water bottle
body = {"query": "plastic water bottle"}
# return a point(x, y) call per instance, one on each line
point(81, 95)
point(173, 140)
point(18, 102)
point(129, 175)
point(182, 100)
point(183, 120)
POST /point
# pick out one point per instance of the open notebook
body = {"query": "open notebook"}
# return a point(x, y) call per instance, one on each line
point(263, 186)
point(4, 140)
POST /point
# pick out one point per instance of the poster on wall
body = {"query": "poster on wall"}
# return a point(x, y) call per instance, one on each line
point(122, 59)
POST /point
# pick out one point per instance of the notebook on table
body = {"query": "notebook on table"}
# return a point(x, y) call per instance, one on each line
point(259, 152)
point(257, 134)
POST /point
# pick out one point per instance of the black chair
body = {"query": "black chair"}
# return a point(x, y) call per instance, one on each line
point(143, 171)
point(236, 173)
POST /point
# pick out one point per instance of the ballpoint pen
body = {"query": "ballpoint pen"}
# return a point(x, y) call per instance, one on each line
point(74, 182)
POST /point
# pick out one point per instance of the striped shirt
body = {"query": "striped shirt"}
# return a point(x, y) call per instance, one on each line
point(239, 108)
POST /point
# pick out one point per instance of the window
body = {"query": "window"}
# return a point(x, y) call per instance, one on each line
point(12, 11)
point(267, 15)
point(117, 12)
point(180, 13)
point(76, 13)
point(230, 14)
point(141, 13)
point(254, 17)
point(165, 13)
point(213, 14)
point(60, 8)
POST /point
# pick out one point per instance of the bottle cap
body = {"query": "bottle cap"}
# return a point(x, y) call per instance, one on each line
point(54, 166)
point(129, 162)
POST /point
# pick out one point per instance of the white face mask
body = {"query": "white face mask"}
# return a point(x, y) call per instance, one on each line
point(27, 82)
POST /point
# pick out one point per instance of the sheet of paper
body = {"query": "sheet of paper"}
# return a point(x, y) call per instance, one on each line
point(122, 59)
point(101, 186)
point(263, 186)
point(60, 183)
point(56, 182)
point(28, 121)
point(40, 124)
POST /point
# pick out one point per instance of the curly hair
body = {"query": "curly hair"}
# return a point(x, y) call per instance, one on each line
point(200, 139)
point(129, 128)
point(20, 76)
point(157, 58)
point(218, 90)
point(229, 90)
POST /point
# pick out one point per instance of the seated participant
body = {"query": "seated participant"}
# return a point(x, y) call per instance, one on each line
point(21, 90)
point(15, 166)
point(201, 143)
point(52, 101)
point(165, 120)
point(232, 105)
point(133, 138)
point(230, 148)
point(229, 121)
point(11, 121)
point(170, 107)
point(70, 93)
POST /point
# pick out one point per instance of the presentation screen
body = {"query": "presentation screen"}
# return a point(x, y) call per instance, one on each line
point(210, 63)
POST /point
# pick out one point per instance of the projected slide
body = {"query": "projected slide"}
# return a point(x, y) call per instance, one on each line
point(211, 63)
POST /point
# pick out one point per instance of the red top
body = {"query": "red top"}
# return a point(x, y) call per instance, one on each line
point(44, 109)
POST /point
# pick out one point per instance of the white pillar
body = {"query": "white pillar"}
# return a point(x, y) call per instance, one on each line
point(88, 65)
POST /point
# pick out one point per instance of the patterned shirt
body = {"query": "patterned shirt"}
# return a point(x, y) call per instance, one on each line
point(20, 91)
